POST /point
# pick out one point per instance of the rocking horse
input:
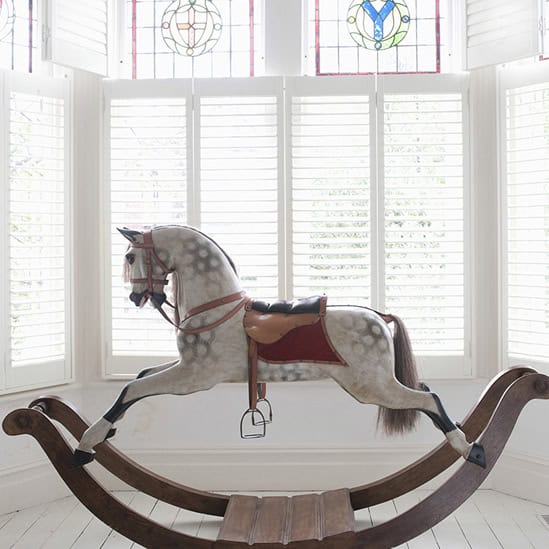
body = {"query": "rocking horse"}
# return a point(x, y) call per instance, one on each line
point(225, 336)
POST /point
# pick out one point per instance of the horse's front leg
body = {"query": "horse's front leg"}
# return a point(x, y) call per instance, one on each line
point(171, 380)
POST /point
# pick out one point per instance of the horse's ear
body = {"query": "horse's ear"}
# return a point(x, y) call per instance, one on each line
point(130, 234)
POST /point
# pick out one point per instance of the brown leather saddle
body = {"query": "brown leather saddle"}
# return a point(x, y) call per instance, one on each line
point(268, 322)
point(265, 324)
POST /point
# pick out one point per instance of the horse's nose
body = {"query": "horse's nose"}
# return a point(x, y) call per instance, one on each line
point(136, 298)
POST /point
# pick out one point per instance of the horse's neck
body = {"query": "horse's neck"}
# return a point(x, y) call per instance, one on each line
point(204, 273)
point(192, 294)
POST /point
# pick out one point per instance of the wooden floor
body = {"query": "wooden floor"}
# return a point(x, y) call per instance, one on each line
point(488, 520)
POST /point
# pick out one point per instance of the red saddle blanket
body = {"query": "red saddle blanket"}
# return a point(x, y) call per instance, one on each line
point(303, 344)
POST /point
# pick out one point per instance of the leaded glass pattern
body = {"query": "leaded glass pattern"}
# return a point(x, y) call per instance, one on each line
point(191, 38)
point(375, 36)
point(18, 34)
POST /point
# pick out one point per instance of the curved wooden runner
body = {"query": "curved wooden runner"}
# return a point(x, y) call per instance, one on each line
point(302, 522)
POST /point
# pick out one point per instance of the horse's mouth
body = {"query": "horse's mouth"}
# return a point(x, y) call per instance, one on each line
point(139, 299)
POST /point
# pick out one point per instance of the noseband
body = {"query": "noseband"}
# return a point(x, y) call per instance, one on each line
point(152, 258)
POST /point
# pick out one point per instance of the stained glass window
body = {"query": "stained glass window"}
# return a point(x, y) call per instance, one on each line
point(375, 36)
point(18, 34)
point(183, 38)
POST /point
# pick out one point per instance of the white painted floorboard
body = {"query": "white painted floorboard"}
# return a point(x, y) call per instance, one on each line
point(489, 520)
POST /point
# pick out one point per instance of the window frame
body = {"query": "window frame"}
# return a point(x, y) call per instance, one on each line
point(455, 366)
point(21, 378)
point(460, 367)
point(509, 78)
point(120, 366)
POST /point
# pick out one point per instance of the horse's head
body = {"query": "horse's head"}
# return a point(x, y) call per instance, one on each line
point(146, 272)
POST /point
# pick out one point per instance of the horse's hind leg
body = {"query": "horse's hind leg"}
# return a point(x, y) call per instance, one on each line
point(396, 396)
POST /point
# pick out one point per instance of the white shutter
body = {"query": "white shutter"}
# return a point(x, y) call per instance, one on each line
point(147, 137)
point(526, 172)
point(331, 174)
point(239, 137)
point(38, 233)
point(78, 34)
point(499, 31)
point(425, 204)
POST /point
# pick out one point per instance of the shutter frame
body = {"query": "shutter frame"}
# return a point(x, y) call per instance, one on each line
point(505, 41)
point(61, 44)
point(123, 361)
point(41, 372)
point(454, 365)
point(514, 81)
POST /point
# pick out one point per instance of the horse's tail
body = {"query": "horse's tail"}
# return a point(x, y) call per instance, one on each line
point(395, 422)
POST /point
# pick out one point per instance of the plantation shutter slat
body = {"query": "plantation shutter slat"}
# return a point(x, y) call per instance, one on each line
point(78, 34)
point(330, 188)
point(424, 219)
point(499, 31)
point(38, 347)
point(526, 170)
point(148, 144)
point(240, 169)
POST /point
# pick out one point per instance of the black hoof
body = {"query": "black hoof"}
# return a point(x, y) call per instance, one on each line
point(477, 455)
point(81, 458)
point(111, 433)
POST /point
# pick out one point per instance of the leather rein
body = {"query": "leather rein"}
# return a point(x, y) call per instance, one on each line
point(151, 257)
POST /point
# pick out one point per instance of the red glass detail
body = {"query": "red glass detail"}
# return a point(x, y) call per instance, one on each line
point(30, 35)
point(437, 30)
point(252, 39)
point(134, 39)
point(317, 37)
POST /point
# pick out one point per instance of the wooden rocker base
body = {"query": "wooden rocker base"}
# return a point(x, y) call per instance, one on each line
point(302, 522)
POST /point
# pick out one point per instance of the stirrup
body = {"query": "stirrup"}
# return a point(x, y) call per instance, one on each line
point(259, 423)
point(266, 413)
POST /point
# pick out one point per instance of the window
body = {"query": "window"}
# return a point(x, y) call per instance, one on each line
point(148, 141)
point(184, 38)
point(37, 318)
point(18, 34)
point(423, 166)
point(331, 187)
point(356, 37)
point(526, 215)
point(230, 188)
point(319, 208)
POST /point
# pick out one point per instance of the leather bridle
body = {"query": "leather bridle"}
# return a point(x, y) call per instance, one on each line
point(151, 258)
point(158, 299)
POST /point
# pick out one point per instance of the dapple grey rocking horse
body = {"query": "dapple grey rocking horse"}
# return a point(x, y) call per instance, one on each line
point(224, 336)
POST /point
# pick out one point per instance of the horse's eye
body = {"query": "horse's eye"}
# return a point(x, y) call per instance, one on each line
point(130, 258)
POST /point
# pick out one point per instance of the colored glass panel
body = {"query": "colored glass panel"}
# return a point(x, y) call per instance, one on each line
point(184, 38)
point(375, 36)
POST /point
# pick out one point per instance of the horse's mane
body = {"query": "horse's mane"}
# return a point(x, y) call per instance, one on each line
point(194, 229)
point(227, 256)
